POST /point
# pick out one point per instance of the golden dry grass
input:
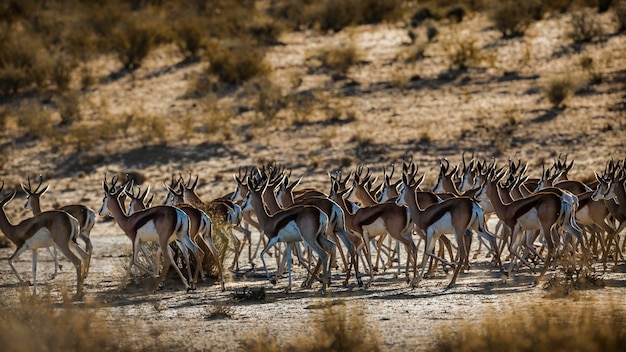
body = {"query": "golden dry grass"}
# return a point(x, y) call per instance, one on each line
point(545, 327)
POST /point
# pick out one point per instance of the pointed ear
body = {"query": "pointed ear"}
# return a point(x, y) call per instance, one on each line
point(44, 190)
point(420, 180)
point(106, 188)
point(7, 198)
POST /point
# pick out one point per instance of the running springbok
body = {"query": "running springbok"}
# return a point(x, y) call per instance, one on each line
point(299, 223)
point(457, 216)
point(49, 228)
point(86, 216)
point(200, 225)
point(162, 224)
point(541, 211)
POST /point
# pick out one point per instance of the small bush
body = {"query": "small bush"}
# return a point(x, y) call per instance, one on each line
point(338, 14)
point(61, 74)
point(237, 63)
point(462, 51)
point(337, 328)
point(620, 15)
point(584, 27)
point(68, 328)
point(68, 105)
point(512, 17)
point(339, 58)
point(190, 34)
point(558, 89)
point(36, 122)
point(20, 61)
point(133, 41)
point(431, 32)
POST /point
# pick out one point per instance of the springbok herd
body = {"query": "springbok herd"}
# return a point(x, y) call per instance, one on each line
point(539, 221)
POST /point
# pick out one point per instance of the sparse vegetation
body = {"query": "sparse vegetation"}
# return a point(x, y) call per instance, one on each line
point(340, 59)
point(580, 327)
point(462, 51)
point(512, 18)
point(558, 89)
point(68, 328)
point(336, 328)
point(133, 40)
point(619, 9)
point(237, 62)
point(584, 27)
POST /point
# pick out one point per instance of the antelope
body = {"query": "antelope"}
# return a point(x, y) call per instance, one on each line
point(299, 223)
point(222, 211)
point(200, 226)
point(48, 228)
point(335, 214)
point(453, 215)
point(541, 211)
point(86, 216)
point(611, 189)
point(378, 220)
point(162, 224)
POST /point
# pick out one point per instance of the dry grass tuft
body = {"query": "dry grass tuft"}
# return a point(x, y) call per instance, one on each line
point(339, 59)
point(620, 15)
point(462, 51)
point(511, 17)
point(237, 62)
point(558, 90)
point(336, 328)
point(549, 327)
point(33, 324)
point(219, 311)
point(584, 27)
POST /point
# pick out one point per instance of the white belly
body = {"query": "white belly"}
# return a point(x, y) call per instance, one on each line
point(148, 233)
point(442, 226)
point(41, 239)
point(290, 233)
point(377, 228)
point(529, 221)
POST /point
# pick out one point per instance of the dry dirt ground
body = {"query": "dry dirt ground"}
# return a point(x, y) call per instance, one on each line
point(387, 109)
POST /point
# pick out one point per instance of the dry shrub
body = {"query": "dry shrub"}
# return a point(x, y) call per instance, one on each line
point(36, 122)
point(68, 105)
point(337, 14)
point(512, 17)
point(541, 327)
point(219, 311)
point(462, 51)
point(336, 328)
point(584, 27)
point(20, 60)
point(190, 36)
point(132, 41)
point(620, 15)
point(269, 99)
point(558, 89)
point(217, 118)
point(339, 59)
point(237, 62)
point(32, 324)
point(151, 128)
point(61, 72)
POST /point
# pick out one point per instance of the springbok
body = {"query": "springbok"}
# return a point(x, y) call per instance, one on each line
point(86, 216)
point(299, 223)
point(162, 224)
point(200, 225)
point(49, 228)
point(455, 216)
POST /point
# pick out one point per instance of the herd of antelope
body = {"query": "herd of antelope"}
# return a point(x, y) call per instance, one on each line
point(539, 220)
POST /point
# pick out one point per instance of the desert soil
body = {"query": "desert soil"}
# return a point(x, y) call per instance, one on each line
point(438, 113)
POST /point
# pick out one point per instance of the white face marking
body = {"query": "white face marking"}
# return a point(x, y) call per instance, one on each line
point(104, 209)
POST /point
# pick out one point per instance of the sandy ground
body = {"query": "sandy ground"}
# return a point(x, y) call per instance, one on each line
point(404, 318)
